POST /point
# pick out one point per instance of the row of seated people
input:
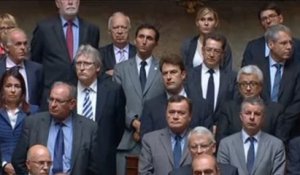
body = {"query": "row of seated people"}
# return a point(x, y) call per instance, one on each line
point(54, 49)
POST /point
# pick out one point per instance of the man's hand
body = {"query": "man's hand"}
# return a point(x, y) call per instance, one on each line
point(9, 169)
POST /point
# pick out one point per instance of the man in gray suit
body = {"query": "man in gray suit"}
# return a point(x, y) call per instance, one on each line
point(70, 138)
point(166, 149)
point(253, 151)
point(141, 80)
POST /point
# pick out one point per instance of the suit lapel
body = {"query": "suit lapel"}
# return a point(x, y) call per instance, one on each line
point(191, 51)
point(2, 66)
point(100, 100)
point(166, 144)
point(261, 148)
point(4, 115)
point(60, 37)
point(82, 31)
point(240, 151)
point(198, 81)
point(132, 51)
point(185, 154)
point(222, 87)
point(286, 77)
point(44, 129)
point(30, 77)
point(267, 80)
point(111, 55)
point(153, 71)
point(134, 76)
point(77, 135)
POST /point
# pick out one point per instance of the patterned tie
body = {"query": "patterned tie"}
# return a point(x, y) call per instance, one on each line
point(59, 150)
point(177, 151)
point(210, 93)
point(69, 38)
point(143, 77)
point(251, 154)
point(276, 85)
point(122, 55)
point(87, 104)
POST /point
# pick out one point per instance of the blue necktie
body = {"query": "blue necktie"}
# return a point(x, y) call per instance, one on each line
point(59, 150)
point(276, 85)
point(143, 77)
point(251, 154)
point(177, 151)
point(87, 104)
point(210, 95)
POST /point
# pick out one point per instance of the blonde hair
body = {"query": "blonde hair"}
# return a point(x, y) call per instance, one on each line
point(204, 11)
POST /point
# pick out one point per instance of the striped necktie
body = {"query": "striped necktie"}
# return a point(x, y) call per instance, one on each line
point(87, 104)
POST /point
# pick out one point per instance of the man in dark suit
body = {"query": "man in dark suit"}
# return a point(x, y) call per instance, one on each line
point(120, 49)
point(107, 105)
point(174, 74)
point(201, 141)
point(55, 42)
point(141, 80)
point(251, 150)
point(269, 14)
point(209, 81)
point(16, 46)
point(166, 149)
point(250, 83)
point(70, 138)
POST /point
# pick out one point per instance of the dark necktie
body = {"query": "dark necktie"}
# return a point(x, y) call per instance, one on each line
point(143, 77)
point(251, 154)
point(69, 38)
point(276, 85)
point(87, 109)
point(59, 150)
point(210, 95)
point(177, 151)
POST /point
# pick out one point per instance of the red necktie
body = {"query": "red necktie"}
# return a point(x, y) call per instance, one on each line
point(69, 37)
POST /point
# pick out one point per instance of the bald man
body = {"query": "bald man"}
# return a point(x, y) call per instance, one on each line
point(205, 164)
point(38, 160)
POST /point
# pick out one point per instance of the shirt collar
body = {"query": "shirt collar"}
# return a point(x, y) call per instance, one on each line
point(205, 68)
point(245, 136)
point(67, 122)
point(116, 49)
point(10, 63)
point(139, 60)
point(75, 21)
point(182, 93)
point(93, 86)
point(272, 61)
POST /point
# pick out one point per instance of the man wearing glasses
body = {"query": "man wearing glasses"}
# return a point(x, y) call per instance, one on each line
point(210, 80)
point(201, 141)
point(38, 160)
point(103, 101)
point(70, 138)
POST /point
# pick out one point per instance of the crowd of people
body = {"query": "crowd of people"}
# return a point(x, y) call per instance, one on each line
point(69, 106)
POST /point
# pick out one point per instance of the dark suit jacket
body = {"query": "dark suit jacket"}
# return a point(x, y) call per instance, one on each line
point(225, 169)
point(110, 116)
point(189, 48)
point(48, 47)
point(108, 56)
point(293, 157)
point(34, 72)
point(230, 122)
point(84, 146)
point(226, 87)
point(154, 113)
point(255, 51)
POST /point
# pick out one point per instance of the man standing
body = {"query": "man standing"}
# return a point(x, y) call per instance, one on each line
point(56, 40)
point(70, 138)
point(251, 150)
point(120, 49)
point(38, 160)
point(16, 46)
point(101, 100)
point(140, 80)
point(201, 141)
point(166, 149)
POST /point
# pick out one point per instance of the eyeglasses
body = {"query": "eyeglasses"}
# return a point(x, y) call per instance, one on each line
point(200, 146)
point(270, 17)
point(6, 27)
point(51, 100)
point(42, 163)
point(212, 50)
point(85, 64)
point(251, 84)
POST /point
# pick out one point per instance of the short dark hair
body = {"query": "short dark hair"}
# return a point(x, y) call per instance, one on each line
point(217, 37)
point(173, 59)
point(269, 6)
point(180, 98)
point(148, 26)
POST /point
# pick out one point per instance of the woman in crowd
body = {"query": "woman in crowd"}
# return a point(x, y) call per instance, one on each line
point(207, 21)
point(7, 21)
point(13, 110)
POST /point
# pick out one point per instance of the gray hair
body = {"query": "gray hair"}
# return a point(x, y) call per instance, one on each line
point(118, 14)
point(202, 131)
point(272, 32)
point(253, 101)
point(72, 88)
point(251, 69)
point(7, 38)
point(91, 52)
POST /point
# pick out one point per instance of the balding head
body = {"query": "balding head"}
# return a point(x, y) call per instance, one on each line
point(38, 160)
point(205, 164)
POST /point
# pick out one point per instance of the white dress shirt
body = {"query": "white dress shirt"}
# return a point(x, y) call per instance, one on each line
point(118, 54)
point(198, 57)
point(147, 67)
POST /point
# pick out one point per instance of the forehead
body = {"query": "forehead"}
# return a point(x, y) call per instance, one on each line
point(253, 107)
point(17, 35)
point(169, 66)
point(12, 79)
point(60, 91)
point(248, 77)
point(146, 32)
point(85, 57)
point(267, 12)
point(213, 43)
point(180, 106)
point(119, 20)
point(282, 35)
point(199, 138)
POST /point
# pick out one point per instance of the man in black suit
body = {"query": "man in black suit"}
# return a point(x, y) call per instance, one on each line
point(107, 105)
point(174, 74)
point(201, 141)
point(70, 138)
point(16, 46)
point(268, 15)
point(209, 81)
point(120, 49)
point(55, 42)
